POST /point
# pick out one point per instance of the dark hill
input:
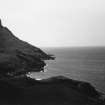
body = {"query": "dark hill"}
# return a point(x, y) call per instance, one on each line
point(19, 55)
point(10, 43)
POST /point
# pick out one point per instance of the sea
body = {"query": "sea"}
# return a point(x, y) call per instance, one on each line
point(78, 63)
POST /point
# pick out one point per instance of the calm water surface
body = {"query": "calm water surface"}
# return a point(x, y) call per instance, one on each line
point(86, 64)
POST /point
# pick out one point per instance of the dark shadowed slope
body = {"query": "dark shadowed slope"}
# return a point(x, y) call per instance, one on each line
point(52, 91)
point(10, 43)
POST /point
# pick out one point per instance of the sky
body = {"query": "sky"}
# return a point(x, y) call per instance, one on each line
point(56, 23)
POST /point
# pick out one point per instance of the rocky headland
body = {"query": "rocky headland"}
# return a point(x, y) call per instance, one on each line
point(17, 58)
point(19, 55)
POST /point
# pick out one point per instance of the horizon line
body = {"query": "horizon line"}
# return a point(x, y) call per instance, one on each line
point(67, 46)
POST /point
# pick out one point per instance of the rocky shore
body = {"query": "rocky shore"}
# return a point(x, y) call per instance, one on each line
point(17, 58)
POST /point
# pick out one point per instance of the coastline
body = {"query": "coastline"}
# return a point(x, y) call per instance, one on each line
point(18, 59)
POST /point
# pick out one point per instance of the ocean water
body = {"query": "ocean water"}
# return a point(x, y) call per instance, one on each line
point(79, 63)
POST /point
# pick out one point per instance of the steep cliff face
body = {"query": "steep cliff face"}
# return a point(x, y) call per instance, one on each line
point(19, 55)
